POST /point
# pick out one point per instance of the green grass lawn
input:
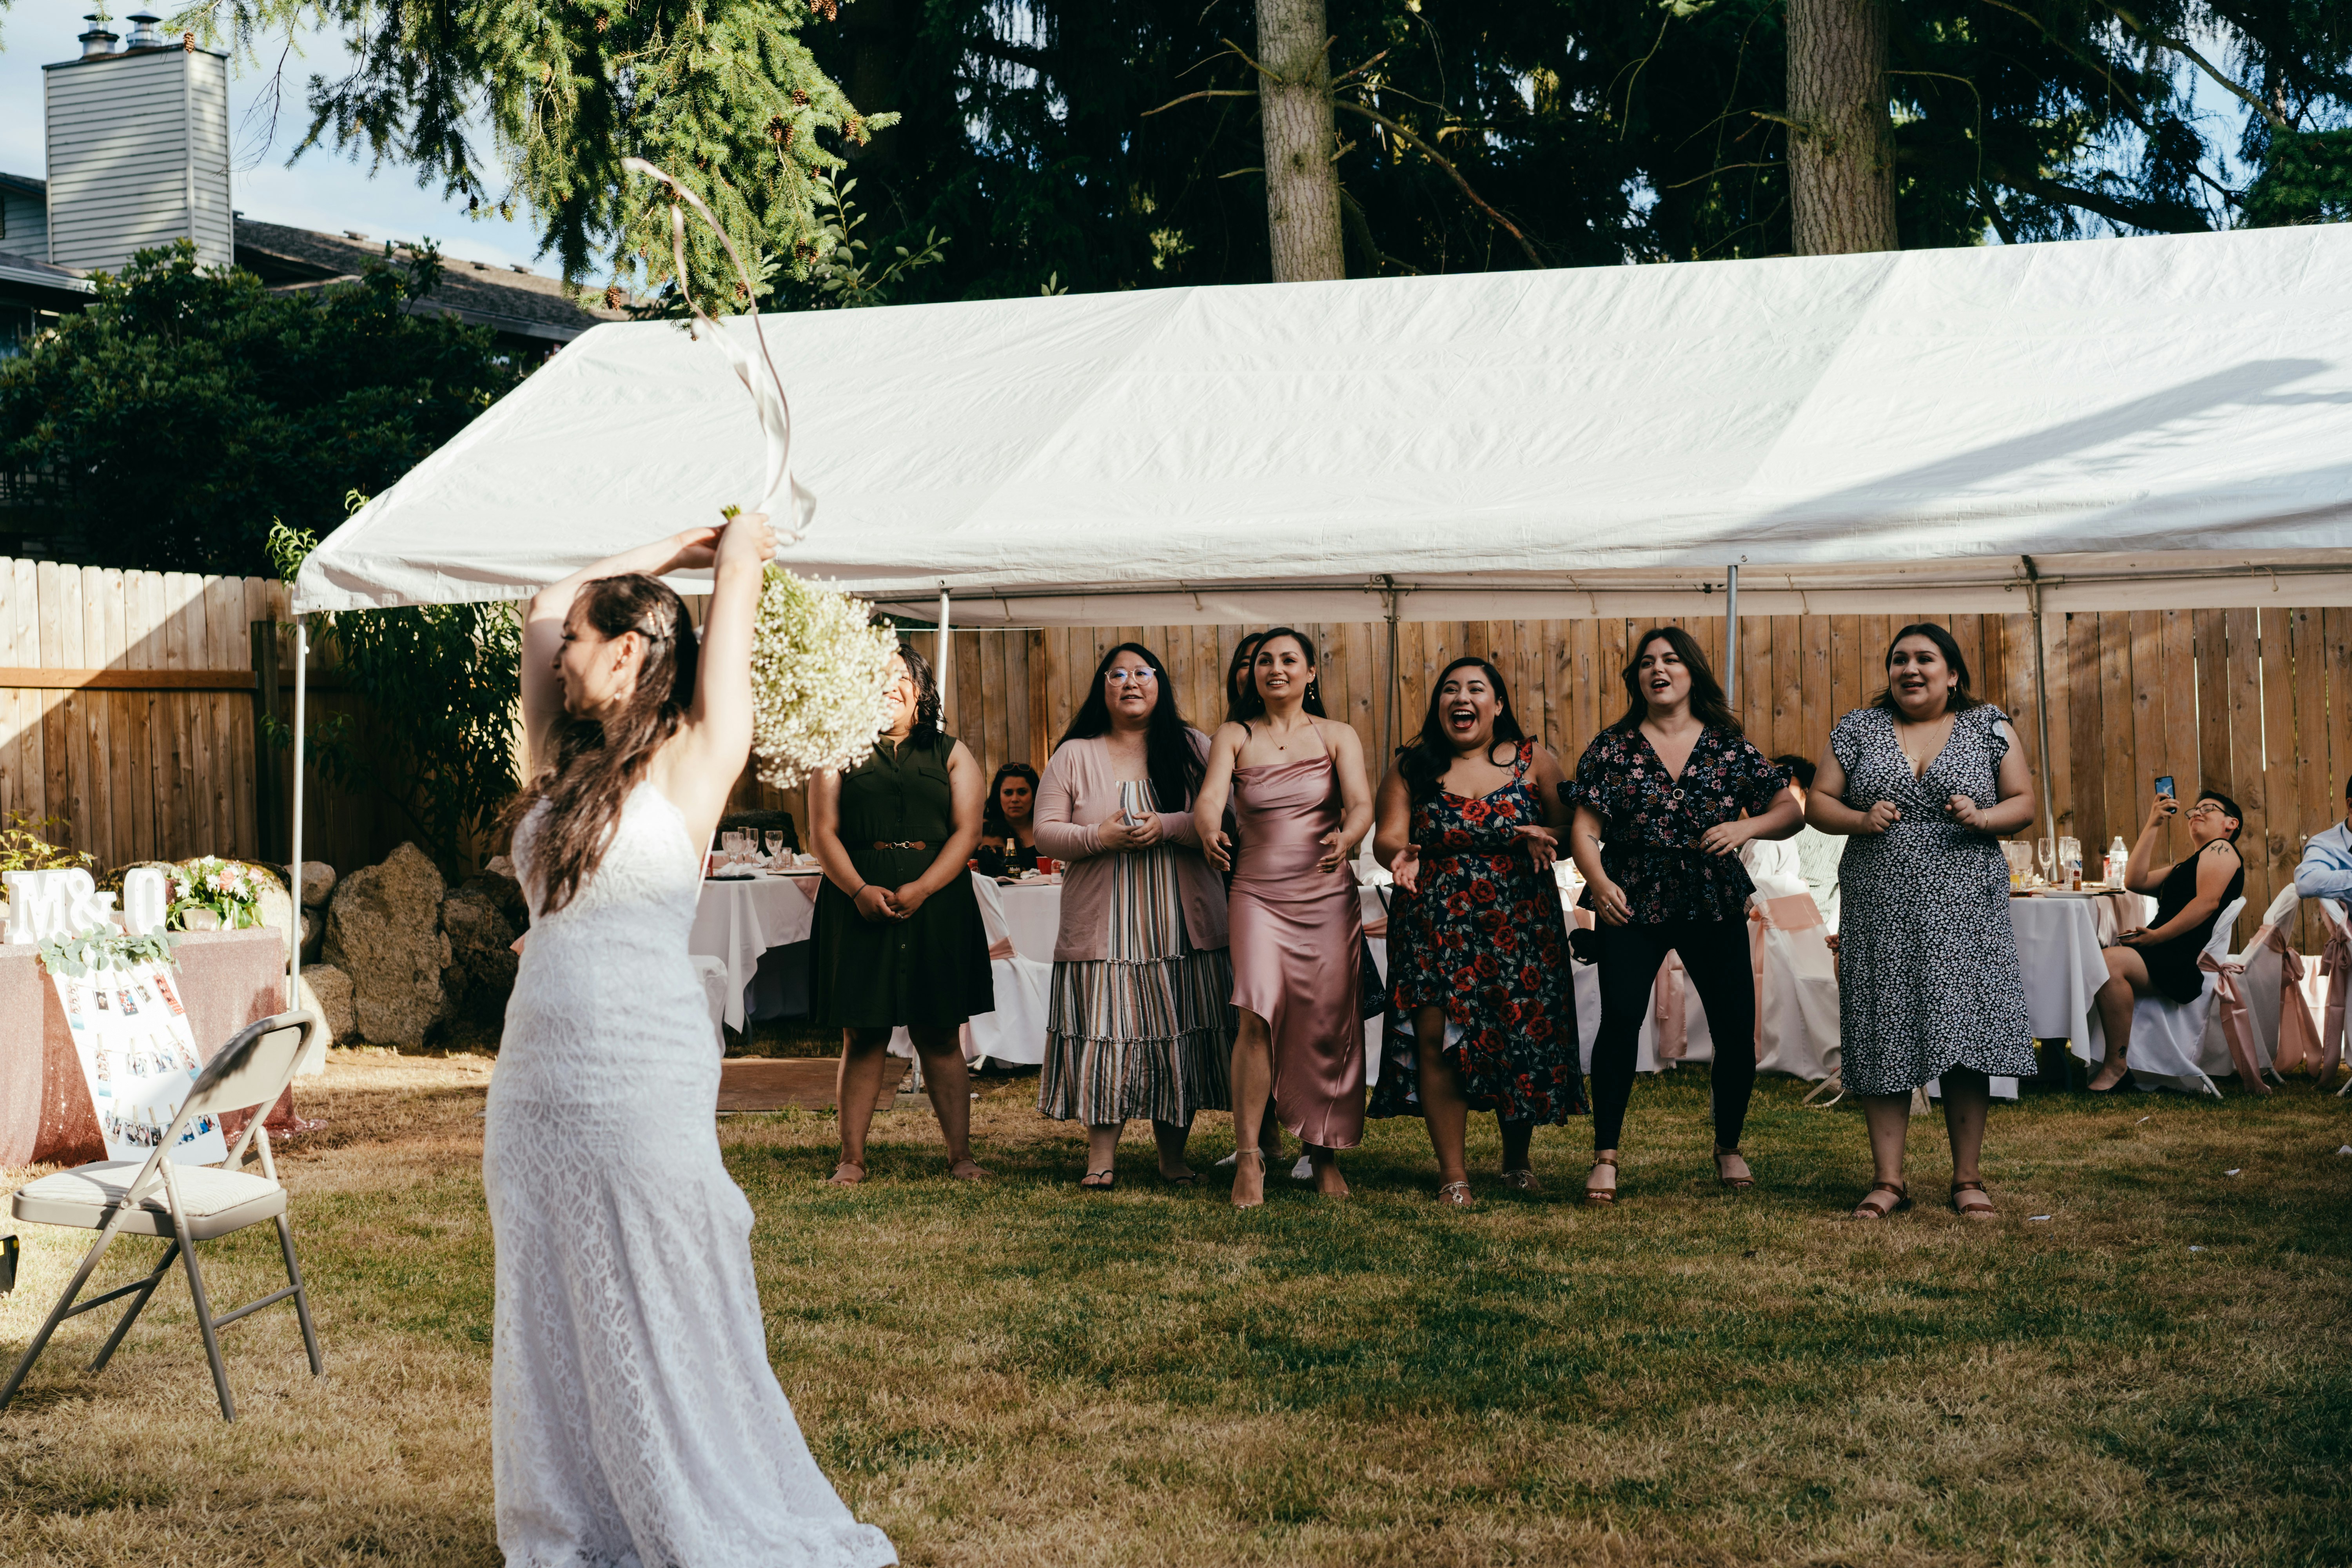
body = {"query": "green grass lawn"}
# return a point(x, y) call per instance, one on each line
point(1018, 1373)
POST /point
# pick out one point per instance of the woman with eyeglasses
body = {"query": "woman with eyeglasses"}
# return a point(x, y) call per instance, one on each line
point(1924, 782)
point(1008, 828)
point(1300, 798)
point(1138, 1026)
point(898, 936)
point(2190, 893)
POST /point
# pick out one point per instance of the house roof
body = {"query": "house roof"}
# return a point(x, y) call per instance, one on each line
point(25, 184)
point(25, 271)
point(524, 305)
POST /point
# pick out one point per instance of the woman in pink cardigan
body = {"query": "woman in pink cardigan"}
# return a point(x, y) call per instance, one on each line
point(1139, 1024)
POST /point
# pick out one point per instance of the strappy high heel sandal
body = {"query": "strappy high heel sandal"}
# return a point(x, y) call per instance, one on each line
point(1601, 1198)
point(1259, 1155)
point(1736, 1184)
point(1871, 1208)
point(1981, 1210)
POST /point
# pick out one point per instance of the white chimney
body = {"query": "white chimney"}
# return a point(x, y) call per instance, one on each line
point(139, 151)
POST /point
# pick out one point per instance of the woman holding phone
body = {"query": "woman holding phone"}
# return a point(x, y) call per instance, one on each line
point(1924, 782)
point(1300, 798)
point(2160, 960)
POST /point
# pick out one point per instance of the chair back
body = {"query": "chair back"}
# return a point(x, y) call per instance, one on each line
point(2282, 908)
point(255, 1068)
point(991, 898)
point(2224, 926)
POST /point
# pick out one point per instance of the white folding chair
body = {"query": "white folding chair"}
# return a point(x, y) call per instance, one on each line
point(1015, 1031)
point(2261, 974)
point(2167, 1038)
point(189, 1204)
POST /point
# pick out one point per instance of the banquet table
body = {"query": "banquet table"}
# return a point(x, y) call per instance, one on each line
point(2059, 936)
point(736, 920)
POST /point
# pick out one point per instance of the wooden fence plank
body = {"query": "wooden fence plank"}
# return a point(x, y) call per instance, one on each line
point(2213, 694)
point(2314, 807)
point(2246, 736)
point(57, 771)
point(2118, 744)
point(14, 793)
point(2281, 844)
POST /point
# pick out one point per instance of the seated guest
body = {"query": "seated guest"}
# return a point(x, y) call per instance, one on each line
point(1008, 837)
point(1817, 852)
point(2161, 960)
point(2326, 869)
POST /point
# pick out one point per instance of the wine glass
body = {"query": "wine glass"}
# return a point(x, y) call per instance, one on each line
point(2045, 855)
point(774, 840)
point(731, 842)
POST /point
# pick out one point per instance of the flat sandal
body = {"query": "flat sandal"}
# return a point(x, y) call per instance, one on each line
point(1601, 1197)
point(1736, 1184)
point(1973, 1211)
point(1866, 1210)
point(1456, 1195)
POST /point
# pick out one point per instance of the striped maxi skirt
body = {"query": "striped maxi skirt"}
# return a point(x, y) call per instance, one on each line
point(1148, 1032)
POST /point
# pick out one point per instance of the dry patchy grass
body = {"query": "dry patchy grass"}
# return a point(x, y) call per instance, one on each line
point(1013, 1374)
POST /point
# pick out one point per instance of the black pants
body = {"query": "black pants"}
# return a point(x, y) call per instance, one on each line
point(1715, 952)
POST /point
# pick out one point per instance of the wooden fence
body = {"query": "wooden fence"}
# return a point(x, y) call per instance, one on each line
point(128, 701)
point(2257, 703)
point(126, 711)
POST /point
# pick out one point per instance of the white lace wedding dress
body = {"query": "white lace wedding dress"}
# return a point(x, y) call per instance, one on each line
point(635, 1422)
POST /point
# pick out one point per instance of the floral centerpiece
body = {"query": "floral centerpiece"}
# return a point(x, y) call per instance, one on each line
point(229, 891)
point(819, 662)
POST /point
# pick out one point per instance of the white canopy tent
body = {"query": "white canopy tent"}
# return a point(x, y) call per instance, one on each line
point(2154, 421)
point(2089, 425)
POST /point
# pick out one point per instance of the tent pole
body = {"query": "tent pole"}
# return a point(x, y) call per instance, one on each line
point(2040, 698)
point(1389, 593)
point(946, 671)
point(1731, 638)
point(294, 935)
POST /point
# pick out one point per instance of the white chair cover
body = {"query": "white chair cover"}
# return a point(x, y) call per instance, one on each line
point(1015, 1031)
point(2168, 1038)
point(1796, 987)
point(2259, 972)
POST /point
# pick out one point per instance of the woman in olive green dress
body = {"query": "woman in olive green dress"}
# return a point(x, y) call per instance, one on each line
point(898, 937)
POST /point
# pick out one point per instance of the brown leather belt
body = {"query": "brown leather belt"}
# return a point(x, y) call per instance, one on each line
point(911, 843)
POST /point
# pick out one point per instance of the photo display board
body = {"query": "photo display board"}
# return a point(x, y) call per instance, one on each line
point(139, 1059)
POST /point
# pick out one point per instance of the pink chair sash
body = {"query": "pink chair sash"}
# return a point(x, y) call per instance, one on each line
point(1788, 912)
point(1666, 998)
point(2237, 1022)
point(2298, 1034)
point(2336, 962)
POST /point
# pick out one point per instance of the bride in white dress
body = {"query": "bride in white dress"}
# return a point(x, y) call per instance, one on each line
point(635, 1422)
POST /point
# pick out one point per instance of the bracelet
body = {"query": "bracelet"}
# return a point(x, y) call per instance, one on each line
point(861, 888)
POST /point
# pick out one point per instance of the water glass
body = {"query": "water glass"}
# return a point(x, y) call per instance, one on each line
point(774, 838)
point(2070, 859)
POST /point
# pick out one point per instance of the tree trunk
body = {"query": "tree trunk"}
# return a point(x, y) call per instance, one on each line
point(1302, 188)
point(1841, 146)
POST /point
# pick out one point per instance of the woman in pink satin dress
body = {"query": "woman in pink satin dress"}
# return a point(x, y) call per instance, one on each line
point(1300, 798)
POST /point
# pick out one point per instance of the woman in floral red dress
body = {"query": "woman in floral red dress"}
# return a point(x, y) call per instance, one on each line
point(1469, 821)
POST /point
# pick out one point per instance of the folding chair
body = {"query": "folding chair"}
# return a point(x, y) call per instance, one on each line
point(187, 1203)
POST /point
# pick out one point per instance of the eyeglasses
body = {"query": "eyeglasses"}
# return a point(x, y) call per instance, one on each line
point(1121, 677)
point(2207, 808)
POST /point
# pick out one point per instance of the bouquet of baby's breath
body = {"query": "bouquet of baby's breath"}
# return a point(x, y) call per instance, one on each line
point(819, 662)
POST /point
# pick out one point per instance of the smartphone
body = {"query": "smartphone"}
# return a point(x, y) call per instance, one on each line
point(2164, 786)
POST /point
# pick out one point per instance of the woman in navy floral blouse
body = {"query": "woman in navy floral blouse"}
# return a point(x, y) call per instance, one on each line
point(1665, 797)
point(1468, 821)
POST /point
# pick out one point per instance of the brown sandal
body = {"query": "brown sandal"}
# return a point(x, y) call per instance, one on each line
point(838, 1179)
point(1866, 1209)
point(1601, 1197)
point(1973, 1211)
point(1736, 1184)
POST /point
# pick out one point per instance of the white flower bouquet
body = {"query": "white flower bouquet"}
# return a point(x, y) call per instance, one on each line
point(819, 660)
point(230, 889)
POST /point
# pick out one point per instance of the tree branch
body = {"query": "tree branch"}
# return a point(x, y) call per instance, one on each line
point(1207, 92)
point(1438, 158)
point(2183, 48)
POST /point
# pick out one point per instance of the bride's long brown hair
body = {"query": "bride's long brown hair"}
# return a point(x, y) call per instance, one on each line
point(598, 762)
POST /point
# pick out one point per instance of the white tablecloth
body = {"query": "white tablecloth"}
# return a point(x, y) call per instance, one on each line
point(2058, 947)
point(736, 920)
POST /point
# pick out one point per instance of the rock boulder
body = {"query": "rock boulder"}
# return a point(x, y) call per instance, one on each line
point(384, 931)
point(329, 990)
point(318, 881)
point(482, 960)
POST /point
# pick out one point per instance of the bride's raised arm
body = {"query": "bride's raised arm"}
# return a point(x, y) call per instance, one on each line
point(717, 735)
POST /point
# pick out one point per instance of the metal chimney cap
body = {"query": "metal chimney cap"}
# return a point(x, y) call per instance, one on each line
point(144, 34)
point(98, 40)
